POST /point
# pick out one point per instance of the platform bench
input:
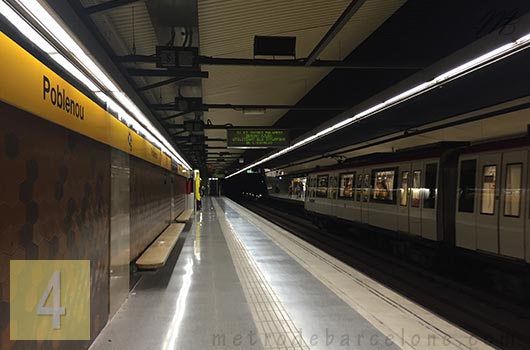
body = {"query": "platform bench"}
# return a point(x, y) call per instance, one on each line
point(158, 252)
point(184, 216)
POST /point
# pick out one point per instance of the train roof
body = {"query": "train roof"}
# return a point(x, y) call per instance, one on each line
point(433, 150)
point(498, 144)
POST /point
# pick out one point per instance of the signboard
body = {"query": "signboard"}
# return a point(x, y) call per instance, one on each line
point(257, 138)
point(42, 92)
point(275, 46)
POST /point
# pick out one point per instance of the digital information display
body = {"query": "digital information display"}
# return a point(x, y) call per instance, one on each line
point(257, 138)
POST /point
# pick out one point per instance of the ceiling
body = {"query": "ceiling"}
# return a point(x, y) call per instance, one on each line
point(226, 29)
point(505, 120)
point(387, 41)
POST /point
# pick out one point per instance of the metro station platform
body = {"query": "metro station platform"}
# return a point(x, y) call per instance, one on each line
point(237, 281)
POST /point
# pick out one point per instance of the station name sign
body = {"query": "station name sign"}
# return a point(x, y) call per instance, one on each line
point(40, 91)
point(257, 138)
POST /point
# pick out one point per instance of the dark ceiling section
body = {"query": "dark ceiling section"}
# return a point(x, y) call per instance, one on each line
point(503, 81)
point(339, 88)
point(419, 34)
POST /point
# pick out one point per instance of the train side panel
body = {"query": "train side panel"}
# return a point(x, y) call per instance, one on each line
point(397, 196)
point(492, 212)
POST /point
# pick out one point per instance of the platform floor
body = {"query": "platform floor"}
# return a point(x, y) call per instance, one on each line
point(237, 281)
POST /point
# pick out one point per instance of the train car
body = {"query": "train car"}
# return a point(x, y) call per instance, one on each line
point(492, 211)
point(472, 197)
point(394, 191)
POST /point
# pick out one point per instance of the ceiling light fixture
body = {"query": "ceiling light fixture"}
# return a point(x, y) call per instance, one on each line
point(452, 74)
point(116, 99)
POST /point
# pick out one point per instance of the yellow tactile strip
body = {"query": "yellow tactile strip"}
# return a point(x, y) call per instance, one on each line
point(276, 330)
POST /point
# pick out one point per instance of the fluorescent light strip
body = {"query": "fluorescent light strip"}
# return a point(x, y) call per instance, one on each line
point(46, 21)
point(70, 68)
point(23, 26)
point(457, 72)
point(41, 16)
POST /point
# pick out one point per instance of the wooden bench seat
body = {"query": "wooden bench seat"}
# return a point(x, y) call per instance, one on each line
point(184, 216)
point(157, 254)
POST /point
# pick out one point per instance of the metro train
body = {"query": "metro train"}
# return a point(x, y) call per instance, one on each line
point(468, 196)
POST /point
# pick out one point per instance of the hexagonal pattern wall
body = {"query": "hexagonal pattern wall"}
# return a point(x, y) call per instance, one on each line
point(54, 204)
point(150, 204)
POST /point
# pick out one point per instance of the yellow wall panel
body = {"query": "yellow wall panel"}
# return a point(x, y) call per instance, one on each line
point(31, 86)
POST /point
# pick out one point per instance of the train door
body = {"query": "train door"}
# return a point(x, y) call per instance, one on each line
point(358, 196)
point(467, 203)
point(333, 204)
point(322, 203)
point(404, 194)
point(415, 199)
point(365, 196)
point(511, 215)
point(526, 213)
point(353, 209)
point(428, 200)
point(488, 208)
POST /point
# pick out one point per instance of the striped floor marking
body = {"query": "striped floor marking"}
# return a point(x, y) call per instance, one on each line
point(409, 325)
point(276, 329)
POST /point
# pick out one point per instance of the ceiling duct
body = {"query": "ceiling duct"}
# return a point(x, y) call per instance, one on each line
point(173, 13)
point(188, 104)
point(177, 57)
point(194, 126)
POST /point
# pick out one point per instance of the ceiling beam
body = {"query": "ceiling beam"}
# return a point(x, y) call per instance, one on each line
point(291, 107)
point(224, 126)
point(177, 73)
point(161, 83)
point(239, 155)
point(223, 157)
point(181, 114)
point(335, 29)
point(213, 61)
point(206, 139)
point(106, 6)
point(206, 107)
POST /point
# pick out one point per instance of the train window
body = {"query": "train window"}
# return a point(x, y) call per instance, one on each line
point(359, 186)
point(512, 191)
point(404, 190)
point(385, 183)
point(347, 183)
point(322, 186)
point(416, 188)
point(366, 187)
point(429, 196)
point(466, 199)
point(333, 187)
point(489, 178)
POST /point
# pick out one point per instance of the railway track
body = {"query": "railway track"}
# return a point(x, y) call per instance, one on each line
point(503, 324)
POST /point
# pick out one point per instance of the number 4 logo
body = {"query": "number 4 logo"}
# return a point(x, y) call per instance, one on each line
point(56, 310)
point(49, 300)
